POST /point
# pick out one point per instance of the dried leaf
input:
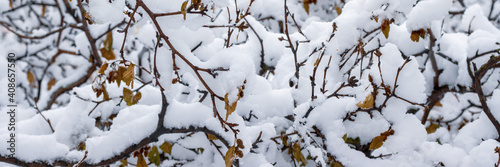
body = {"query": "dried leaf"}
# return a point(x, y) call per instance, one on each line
point(107, 50)
point(166, 147)
point(336, 164)
point(103, 68)
point(11, 5)
point(439, 104)
point(141, 162)
point(377, 142)
point(386, 27)
point(369, 102)
point(432, 128)
point(130, 98)
point(316, 62)
point(211, 137)
point(51, 83)
point(306, 5)
point(297, 154)
point(239, 143)
point(123, 162)
point(338, 9)
point(128, 75)
point(119, 76)
point(415, 36)
point(44, 8)
point(82, 146)
point(229, 108)
point(183, 9)
point(31, 78)
point(154, 156)
point(229, 157)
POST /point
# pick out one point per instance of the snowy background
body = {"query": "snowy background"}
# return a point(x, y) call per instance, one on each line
point(252, 82)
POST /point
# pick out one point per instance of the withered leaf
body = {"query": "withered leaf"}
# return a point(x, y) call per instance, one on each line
point(369, 102)
point(432, 128)
point(230, 156)
point(128, 75)
point(103, 68)
point(130, 98)
point(386, 27)
point(183, 9)
point(377, 142)
point(166, 147)
point(141, 162)
point(51, 83)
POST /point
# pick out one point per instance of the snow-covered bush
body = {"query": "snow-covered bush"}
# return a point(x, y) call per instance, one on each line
point(251, 82)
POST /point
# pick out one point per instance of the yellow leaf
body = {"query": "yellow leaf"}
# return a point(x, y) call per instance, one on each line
point(386, 27)
point(183, 9)
point(103, 68)
point(141, 162)
point(128, 75)
point(11, 5)
point(369, 102)
point(154, 156)
point(229, 158)
point(166, 147)
point(51, 83)
point(432, 128)
point(31, 78)
point(415, 36)
point(377, 142)
point(211, 137)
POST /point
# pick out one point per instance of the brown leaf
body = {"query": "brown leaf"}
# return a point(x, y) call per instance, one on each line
point(229, 108)
point(141, 162)
point(130, 98)
point(369, 102)
point(338, 9)
point(415, 36)
point(119, 76)
point(306, 5)
point(316, 62)
point(107, 50)
point(123, 162)
point(128, 75)
point(230, 156)
point(432, 128)
point(336, 164)
point(82, 146)
point(211, 137)
point(297, 154)
point(103, 68)
point(11, 5)
point(166, 147)
point(51, 83)
point(44, 8)
point(183, 9)
point(240, 144)
point(439, 104)
point(377, 142)
point(386, 27)
point(31, 78)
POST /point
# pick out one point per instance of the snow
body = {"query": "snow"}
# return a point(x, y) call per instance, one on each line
point(426, 11)
point(208, 72)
